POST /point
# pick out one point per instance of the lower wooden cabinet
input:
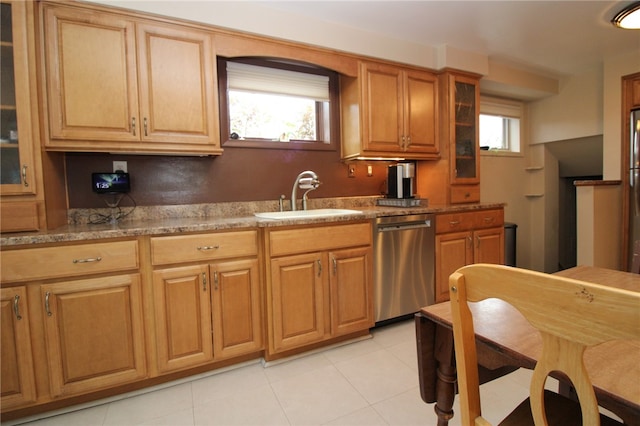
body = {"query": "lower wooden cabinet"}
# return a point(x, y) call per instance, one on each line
point(350, 281)
point(94, 333)
point(237, 313)
point(466, 238)
point(17, 379)
point(210, 309)
point(319, 284)
point(182, 310)
point(297, 294)
point(206, 312)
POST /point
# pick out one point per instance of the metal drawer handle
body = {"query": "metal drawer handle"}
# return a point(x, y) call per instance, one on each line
point(454, 223)
point(205, 248)
point(335, 265)
point(88, 260)
point(489, 219)
point(204, 281)
point(46, 303)
point(16, 307)
point(145, 127)
point(319, 267)
point(215, 280)
point(133, 125)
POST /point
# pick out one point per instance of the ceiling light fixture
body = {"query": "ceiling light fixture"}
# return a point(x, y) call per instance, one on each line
point(628, 18)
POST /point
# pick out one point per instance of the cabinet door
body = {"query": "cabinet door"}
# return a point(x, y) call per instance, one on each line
point(237, 325)
point(91, 76)
point(177, 90)
point(296, 301)
point(17, 380)
point(464, 116)
point(453, 251)
point(421, 96)
point(351, 286)
point(16, 135)
point(182, 309)
point(382, 127)
point(489, 246)
point(94, 333)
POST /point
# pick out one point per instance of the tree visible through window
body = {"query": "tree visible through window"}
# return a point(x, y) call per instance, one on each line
point(273, 117)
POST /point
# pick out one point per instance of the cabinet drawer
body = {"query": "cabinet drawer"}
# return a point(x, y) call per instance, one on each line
point(191, 248)
point(488, 219)
point(68, 261)
point(465, 194)
point(17, 217)
point(306, 240)
point(454, 222)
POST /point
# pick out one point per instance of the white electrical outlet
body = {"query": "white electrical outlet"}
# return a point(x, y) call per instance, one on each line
point(120, 166)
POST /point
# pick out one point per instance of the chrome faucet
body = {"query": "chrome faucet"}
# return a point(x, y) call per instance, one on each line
point(306, 180)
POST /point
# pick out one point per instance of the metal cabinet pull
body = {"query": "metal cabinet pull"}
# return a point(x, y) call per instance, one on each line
point(335, 265)
point(24, 175)
point(16, 307)
point(470, 241)
point(477, 241)
point(215, 280)
point(88, 260)
point(145, 127)
point(46, 303)
point(408, 141)
point(489, 219)
point(454, 223)
point(204, 281)
point(402, 142)
point(205, 248)
point(319, 267)
point(133, 125)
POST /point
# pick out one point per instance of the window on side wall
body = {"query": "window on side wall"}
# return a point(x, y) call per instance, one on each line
point(500, 125)
point(275, 104)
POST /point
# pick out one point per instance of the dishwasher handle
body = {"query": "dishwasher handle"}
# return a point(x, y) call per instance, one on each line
point(400, 226)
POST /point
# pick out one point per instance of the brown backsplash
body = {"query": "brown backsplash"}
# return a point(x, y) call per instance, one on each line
point(239, 174)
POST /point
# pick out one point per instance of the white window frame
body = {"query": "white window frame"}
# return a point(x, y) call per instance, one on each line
point(507, 108)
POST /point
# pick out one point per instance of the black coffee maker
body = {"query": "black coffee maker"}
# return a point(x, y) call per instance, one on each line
point(400, 181)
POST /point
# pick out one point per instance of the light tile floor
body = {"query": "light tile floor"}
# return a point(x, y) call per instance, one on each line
point(370, 382)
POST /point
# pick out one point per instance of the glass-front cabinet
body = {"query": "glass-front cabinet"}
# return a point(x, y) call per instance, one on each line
point(465, 131)
point(16, 140)
point(464, 159)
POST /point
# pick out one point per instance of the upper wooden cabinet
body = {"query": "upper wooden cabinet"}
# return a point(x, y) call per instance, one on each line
point(115, 83)
point(463, 103)
point(389, 112)
point(20, 177)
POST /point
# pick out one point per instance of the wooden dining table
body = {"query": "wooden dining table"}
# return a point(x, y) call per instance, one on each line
point(506, 341)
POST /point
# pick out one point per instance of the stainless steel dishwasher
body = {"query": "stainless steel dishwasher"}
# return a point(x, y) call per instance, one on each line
point(404, 260)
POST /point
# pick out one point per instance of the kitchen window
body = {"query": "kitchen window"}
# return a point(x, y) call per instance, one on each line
point(276, 104)
point(500, 125)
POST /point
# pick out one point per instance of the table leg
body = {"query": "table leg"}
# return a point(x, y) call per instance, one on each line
point(445, 391)
point(436, 367)
point(446, 375)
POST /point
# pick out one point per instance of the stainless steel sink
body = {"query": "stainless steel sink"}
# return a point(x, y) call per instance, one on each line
point(306, 214)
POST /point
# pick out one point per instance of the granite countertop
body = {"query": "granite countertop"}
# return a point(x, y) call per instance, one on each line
point(155, 223)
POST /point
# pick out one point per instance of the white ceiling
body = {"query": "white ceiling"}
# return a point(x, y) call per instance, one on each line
point(551, 37)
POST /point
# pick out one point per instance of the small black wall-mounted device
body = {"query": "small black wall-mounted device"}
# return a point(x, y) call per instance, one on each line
point(110, 183)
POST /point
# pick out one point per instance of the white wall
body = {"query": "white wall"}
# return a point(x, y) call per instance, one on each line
point(575, 112)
